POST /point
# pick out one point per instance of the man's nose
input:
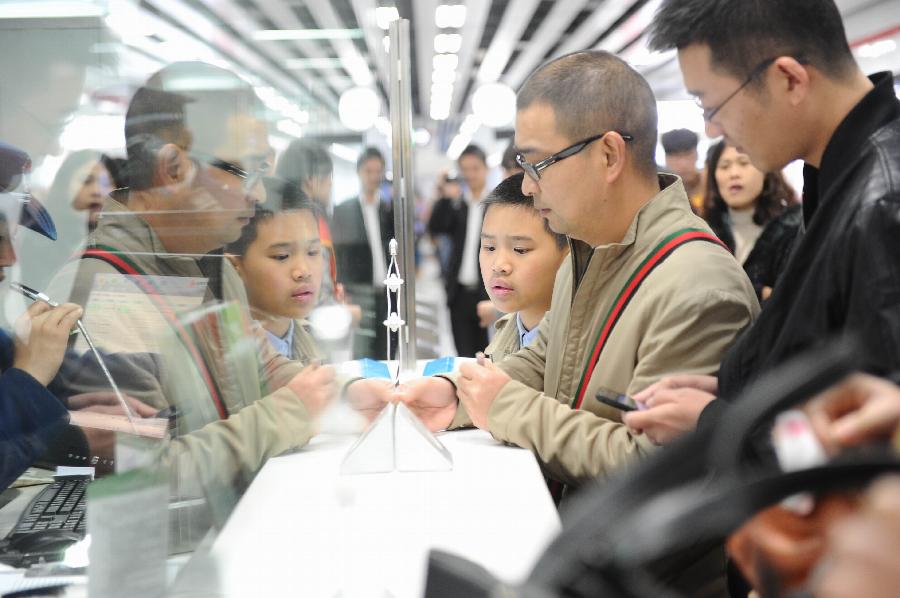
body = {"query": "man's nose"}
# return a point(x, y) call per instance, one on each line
point(529, 186)
point(713, 130)
point(257, 193)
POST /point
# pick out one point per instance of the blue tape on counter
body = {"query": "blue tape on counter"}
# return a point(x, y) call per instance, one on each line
point(442, 365)
point(374, 369)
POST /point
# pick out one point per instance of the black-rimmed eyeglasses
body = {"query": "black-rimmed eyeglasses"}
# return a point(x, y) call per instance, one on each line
point(759, 69)
point(250, 177)
point(534, 170)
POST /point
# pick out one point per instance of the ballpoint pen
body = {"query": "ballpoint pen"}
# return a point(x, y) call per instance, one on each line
point(39, 296)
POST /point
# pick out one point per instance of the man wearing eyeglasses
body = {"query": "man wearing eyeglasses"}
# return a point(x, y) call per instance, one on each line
point(196, 152)
point(782, 85)
point(645, 288)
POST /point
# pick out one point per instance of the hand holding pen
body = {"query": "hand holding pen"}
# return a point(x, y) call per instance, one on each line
point(42, 335)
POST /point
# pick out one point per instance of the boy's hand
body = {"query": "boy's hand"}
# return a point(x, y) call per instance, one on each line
point(315, 386)
point(431, 399)
point(370, 396)
point(42, 334)
point(479, 384)
point(487, 313)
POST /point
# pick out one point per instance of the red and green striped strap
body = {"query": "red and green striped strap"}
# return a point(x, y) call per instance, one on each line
point(663, 250)
point(121, 262)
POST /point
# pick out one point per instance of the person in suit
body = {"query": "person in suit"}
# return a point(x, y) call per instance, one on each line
point(363, 226)
point(461, 279)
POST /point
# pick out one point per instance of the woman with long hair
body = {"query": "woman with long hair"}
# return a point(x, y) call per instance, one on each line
point(756, 214)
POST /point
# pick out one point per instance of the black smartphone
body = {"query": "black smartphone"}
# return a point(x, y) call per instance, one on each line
point(617, 401)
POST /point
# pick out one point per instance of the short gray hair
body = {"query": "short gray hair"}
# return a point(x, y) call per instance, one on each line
point(594, 91)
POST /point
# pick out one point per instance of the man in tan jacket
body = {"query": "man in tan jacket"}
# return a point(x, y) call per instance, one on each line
point(647, 287)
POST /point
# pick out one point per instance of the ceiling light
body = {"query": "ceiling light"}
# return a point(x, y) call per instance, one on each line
point(32, 9)
point(358, 108)
point(876, 49)
point(441, 89)
point(386, 42)
point(445, 62)
point(289, 127)
point(443, 76)
point(384, 15)
point(305, 34)
point(421, 136)
point(494, 104)
point(440, 112)
point(450, 15)
point(343, 152)
point(301, 64)
point(447, 42)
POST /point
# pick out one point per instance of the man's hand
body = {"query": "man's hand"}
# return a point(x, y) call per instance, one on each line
point(708, 384)
point(670, 413)
point(107, 402)
point(369, 396)
point(862, 549)
point(479, 385)
point(859, 410)
point(42, 334)
point(432, 399)
point(315, 386)
point(487, 313)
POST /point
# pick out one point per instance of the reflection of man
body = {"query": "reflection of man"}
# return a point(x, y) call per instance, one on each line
point(680, 146)
point(363, 226)
point(196, 151)
point(799, 77)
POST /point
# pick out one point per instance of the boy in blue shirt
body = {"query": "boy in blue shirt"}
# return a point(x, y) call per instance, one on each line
point(519, 257)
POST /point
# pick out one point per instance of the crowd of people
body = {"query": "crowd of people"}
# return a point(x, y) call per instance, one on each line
point(590, 272)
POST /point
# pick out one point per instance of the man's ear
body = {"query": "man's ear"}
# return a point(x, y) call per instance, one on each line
point(172, 166)
point(792, 78)
point(613, 148)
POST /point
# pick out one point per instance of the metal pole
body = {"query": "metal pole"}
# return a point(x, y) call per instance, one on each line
point(404, 183)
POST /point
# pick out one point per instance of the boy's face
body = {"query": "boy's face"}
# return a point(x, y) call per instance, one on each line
point(282, 268)
point(518, 259)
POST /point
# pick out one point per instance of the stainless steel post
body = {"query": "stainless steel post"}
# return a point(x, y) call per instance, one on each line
point(400, 82)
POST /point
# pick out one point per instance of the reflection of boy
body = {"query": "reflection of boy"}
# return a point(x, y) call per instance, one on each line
point(519, 258)
point(279, 258)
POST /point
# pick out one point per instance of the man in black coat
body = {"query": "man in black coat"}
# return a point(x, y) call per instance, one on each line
point(783, 85)
point(460, 221)
point(362, 228)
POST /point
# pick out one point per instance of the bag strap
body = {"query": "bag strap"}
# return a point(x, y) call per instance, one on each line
point(656, 257)
point(124, 265)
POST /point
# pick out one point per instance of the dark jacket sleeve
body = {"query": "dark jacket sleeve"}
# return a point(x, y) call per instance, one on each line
point(29, 418)
point(442, 221)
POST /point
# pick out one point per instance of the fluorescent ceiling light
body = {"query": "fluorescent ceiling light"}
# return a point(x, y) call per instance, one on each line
point(447, 42)
point(36, 9)
point(343, 152)
point(876, 49)
point(384, 15)
point(450, 15)
point(289, 127)
point(306, 34)
point(443, 76)
point(441, 89)
point(445, 62)
point(300, 64)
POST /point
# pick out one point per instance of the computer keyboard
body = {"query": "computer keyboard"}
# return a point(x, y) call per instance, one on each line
point(61, 505)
